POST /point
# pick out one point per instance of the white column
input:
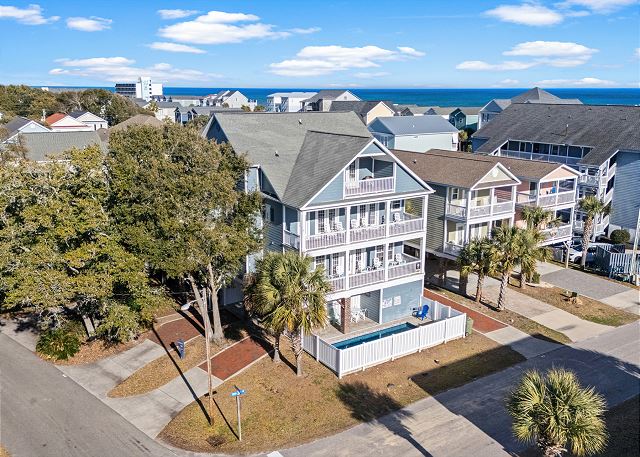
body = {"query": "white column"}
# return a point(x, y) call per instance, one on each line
point(491, 197)
point(387, 217)
point(538, 193)
point(303, 228)
point(348, 223)
point(386, 261)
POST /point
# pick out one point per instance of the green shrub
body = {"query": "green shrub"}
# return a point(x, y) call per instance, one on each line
point(58, 344)
point(620, 236)
point(535, 278)
point(119, 325)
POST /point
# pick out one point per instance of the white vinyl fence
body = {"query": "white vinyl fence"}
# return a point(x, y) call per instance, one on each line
point(446, 324)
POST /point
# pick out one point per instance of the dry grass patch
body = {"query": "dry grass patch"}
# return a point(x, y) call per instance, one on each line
point(508, 317)
point(164, 369)
point(280, 410)
point(584, 307)
point(4, 452)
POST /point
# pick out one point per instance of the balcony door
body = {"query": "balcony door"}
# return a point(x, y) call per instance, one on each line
point(351, 174)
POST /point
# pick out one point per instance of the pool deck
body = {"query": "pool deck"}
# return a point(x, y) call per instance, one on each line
point(332, 335)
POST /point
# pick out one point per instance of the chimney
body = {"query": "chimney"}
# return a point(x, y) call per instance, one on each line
point(44, 115)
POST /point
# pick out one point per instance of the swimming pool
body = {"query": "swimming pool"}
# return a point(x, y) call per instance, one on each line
point(367, 337)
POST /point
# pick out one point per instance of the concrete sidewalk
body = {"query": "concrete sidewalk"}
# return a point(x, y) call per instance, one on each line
point(572, 326)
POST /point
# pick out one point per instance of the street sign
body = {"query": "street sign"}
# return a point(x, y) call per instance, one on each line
point(180, 347)
point(238, 393)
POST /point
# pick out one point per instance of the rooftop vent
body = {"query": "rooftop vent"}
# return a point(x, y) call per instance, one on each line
point(300, 121)
point(276, 154)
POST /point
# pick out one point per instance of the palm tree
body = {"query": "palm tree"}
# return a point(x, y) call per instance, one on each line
point(292, 293)
point(592, 206)
point(531, 253)
point(508, 245)
point(536, 216)
point(555, 411)
point(263, 295)
point(477, 256)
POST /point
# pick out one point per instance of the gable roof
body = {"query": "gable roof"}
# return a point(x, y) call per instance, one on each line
point(604, 128)
point(42, 146)
point(467, 110)
point(414, 109)
point(76, 114)
point(292, 94)
point(439, 110)
point(412, 125)
point(52, 119)
point(535, 95)
point(360, 107)
point(437, 166)
point(528, 169)
point(263, 135)
point(138, 119)
point(15, 124)
point(328, 94)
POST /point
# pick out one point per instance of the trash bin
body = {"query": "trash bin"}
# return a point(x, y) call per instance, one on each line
point(469, 328)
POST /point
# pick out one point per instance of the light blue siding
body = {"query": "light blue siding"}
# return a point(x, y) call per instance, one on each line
point(626, 192)
point(409, 298)
point(405, 182)
point(382, 169)
point(477, 142)
point(291, 220)
point(333, 192)
point(273, 230)
point(371, 303)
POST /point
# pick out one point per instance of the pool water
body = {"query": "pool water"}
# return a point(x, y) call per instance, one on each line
point(367, 337)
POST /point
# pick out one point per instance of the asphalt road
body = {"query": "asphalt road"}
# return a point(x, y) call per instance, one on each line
point(45, 414)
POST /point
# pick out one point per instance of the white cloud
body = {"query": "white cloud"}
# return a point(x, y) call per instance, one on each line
point(583, 82)
point(306, 31)
point(32, 15)
point(371, 74)
point(89, 24)
point(115, 69)
point(637, 53)
point(479, 65)
point(175, 47)
point(598, 6)
point(176, 14)
point(554, 53)
point(410, 51)
point(324, 60)
point(217, 27)
point(508, 82)
point(526, 14)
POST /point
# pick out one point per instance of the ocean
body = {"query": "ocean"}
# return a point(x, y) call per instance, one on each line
point(441, 97)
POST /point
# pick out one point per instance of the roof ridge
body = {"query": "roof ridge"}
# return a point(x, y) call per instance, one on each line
point(338, 134)
point(455, 155)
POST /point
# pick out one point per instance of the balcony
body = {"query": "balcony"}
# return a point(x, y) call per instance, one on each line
point(406, 223)
point(366, 277)
point(368, 233)
point(326, 240)
point(404, 269)
point(498, 207)
point(456, 210)
point(452, 248)
point(291, 239)
point(562, 197)
point(338, 283)
point(543, 157)
point(369, 186)
point(590, 180)
point(555, 234)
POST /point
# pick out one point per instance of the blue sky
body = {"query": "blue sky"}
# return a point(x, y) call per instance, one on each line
point(304, 43)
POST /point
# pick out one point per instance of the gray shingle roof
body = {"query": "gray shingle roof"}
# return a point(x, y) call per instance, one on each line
point(16, 124)
point(605, 128)
point(44, 146)
point(467, 110)
point(524, 168)
point(326, 94)
point(535, 95)
point(440, 110)
point(358, 106)
point(168, 104)
point(138, 119)
point(76, 114)
point(439, 167)
point(412, 125)
point(262, 135)
point(415, 109)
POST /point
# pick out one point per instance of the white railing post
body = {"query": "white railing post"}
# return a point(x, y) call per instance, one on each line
point(317, 348)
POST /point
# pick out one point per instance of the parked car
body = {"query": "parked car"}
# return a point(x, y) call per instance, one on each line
point(575, 252)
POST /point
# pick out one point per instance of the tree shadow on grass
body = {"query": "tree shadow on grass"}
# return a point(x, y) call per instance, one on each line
point(367, 404)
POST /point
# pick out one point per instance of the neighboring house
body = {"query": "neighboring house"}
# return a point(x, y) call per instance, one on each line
point(367, 111)
point(60, 122)
point(186, 100)
point(535, 95)
point(411, 110)
point(465, 118)
point(184, 115)
point(287, 102)
point(90, 119)
point(549, 185)
point(163, 110)
point(333, 192)
point(229, 99)
point(626, 193)
point(415, 133)
point(472, 197)
point(22, 125)
point(322, 100)
point(46, 147)
point(587, 138)
point(439, 111)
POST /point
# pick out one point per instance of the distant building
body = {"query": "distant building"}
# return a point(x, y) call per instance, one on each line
point(60, 122)
point(322, 100)
point(23, 125)
point(411, 110)
point(144, 88)
point(465, 118)
point(367, 111)
point(535, 95)
point(90, 119)
point(415, 133)
point(229, 99)
point(287, 102)
point(163, 110)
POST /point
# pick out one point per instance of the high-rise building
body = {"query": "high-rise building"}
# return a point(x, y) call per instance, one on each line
point(144, 89)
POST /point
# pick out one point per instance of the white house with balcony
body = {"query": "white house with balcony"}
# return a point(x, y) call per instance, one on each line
point(287, 102)
point(587, 138)
point(472, 196)
point(415, 133)
point(333, 192)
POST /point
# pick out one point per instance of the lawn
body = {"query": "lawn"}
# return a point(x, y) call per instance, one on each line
point(587, 308)
point(623, 427)
point(507, 316)
point(280, 410)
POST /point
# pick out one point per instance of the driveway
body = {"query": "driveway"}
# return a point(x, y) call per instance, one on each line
point(589, 285)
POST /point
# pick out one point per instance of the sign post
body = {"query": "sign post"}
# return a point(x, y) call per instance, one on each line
point(238, 393)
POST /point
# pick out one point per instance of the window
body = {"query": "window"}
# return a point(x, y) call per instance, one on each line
point(396, 204)
point(332, 218)
point(337, 268)
point(319, 261)
point(455, 193)
point(372, 214)
point(269, 213)
point(351, 172)
point(380, 252)
point(554, 150)
point(322, 221)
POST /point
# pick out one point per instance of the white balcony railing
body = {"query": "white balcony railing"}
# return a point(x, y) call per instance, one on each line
point(452, 248)
point(480, 211)
point(404, 269)
point(337, 284)
point(366, 277)
point(326, 240)
point(558, 198)
point(367, 233)
point(556, 233)
point(291, 239)
point(456, 210)
point(502, 207)
point(369, 186)
point(406, 226)
point(591, 180)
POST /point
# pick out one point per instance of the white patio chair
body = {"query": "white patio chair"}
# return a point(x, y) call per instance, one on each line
point(357, 313)
point(377, 263)
point(359, 266)
point(364, 222)
point(354, 223)
point(396, 217)
point(397, 258)
point(338, 226)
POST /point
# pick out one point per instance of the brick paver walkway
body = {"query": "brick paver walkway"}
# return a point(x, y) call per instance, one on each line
point(236, 357)
point(185, 328)
point(481, 322)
